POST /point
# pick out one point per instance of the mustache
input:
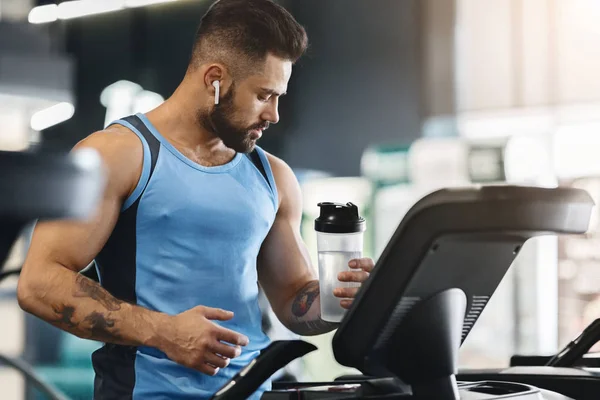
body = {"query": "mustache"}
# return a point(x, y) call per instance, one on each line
point(262, 125)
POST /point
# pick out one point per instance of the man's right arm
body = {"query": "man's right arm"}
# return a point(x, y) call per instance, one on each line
point(50, 286)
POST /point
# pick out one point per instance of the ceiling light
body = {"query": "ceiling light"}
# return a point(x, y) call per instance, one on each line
point(52, 116)
point(43, 14)
point(82, 8)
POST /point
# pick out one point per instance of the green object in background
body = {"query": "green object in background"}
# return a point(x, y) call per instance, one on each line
point(77, 352)
point(76, 383)
point(384, 165)
point(74, 374)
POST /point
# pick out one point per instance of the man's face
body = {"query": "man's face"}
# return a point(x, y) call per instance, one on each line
point(249, 106)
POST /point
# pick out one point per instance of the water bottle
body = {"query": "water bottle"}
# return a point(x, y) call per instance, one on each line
point(340, 230)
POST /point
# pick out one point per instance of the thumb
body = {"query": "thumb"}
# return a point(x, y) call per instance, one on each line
point(217, 314)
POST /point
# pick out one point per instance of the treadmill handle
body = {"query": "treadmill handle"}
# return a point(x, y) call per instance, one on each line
point(276, 356)
point(577, 348)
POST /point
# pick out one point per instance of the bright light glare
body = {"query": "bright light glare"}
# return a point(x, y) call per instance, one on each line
point(52, 116)
point(81, 8)
point(436, 162)
point(119, 92)
point(43, 14)
point(505, 124)
point(526, 159)
point(87, 158)
point(141, 3)
point(576, 150)
point(146, 101)
point(124, 98)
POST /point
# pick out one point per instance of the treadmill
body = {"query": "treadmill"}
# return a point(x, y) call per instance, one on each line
point(44, 187)
point(454, 246)
point(426, 292)
point(572, 372)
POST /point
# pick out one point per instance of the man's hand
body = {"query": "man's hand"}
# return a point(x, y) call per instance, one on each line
point(362, 267)
point(194, 341)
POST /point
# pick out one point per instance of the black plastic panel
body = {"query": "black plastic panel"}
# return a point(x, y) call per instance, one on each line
point(477, 232)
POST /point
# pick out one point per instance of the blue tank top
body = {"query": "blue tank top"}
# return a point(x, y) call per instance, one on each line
point(188, 235)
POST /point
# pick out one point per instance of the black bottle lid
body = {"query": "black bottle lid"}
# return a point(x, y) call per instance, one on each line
point(339, 218)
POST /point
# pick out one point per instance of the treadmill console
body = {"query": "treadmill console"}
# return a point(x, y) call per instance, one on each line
point(427, 290)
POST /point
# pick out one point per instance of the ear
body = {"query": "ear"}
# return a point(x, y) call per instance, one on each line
point(214, 73)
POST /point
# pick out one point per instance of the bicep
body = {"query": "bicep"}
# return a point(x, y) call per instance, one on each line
point(72, 244)
point(284, 261)
point(75, 243)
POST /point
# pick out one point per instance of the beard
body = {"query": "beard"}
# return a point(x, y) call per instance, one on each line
point(221, 121)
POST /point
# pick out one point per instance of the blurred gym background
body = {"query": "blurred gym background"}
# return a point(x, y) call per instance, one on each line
point(396, 98)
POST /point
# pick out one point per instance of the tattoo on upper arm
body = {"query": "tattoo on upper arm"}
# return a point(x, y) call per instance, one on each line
point(85, 287)
point(305, 299)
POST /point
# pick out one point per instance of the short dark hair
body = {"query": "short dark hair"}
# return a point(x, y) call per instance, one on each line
point(240, 33)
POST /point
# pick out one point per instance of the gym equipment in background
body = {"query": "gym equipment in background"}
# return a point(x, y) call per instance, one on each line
point(44, 187)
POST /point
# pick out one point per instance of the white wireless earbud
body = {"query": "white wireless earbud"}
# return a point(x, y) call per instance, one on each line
point(217, 86)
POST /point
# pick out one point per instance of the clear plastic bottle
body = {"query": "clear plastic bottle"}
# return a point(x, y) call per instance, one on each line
point(340, 232)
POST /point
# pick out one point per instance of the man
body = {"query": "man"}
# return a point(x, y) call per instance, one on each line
point(195, 216)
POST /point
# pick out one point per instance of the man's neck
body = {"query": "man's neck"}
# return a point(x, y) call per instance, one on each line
point(179, 125)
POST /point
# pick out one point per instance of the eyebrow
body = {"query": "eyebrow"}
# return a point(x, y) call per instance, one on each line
point(272, 92)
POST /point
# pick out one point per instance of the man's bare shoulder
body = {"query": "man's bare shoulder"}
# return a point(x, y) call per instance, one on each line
point(282, 172)
point(115, 138)
point(288, 187)
point(278, 166)
point(122, 153)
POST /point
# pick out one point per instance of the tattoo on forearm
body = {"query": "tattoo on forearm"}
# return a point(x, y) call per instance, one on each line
point(315, 327)
point(305, 299)
point(300, 308)
point(85, 287)
point(96, 325)
point(65, 316)
point(101, 327)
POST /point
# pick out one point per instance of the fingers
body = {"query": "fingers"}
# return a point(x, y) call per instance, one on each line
point(363, 266)
point(366, 264)
point(208, 369)
point(219, 356)
point(229, 336)
point(226, 350)
point(216, 313)
point(353, 276)
point(346, 303)
point(215, 356)
point(345, 292)
point(216, 360)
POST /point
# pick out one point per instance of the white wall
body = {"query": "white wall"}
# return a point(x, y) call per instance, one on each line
point(527, 53)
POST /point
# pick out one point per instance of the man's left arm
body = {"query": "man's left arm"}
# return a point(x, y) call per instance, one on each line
point(285, 271)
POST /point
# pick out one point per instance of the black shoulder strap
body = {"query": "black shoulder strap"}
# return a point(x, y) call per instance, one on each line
point(255, 158)
point(152, 141)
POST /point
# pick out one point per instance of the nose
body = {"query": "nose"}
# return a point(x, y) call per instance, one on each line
point(271, 112)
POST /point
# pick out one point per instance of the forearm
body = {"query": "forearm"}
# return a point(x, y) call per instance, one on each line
point(78, 305)
point(302, 314)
